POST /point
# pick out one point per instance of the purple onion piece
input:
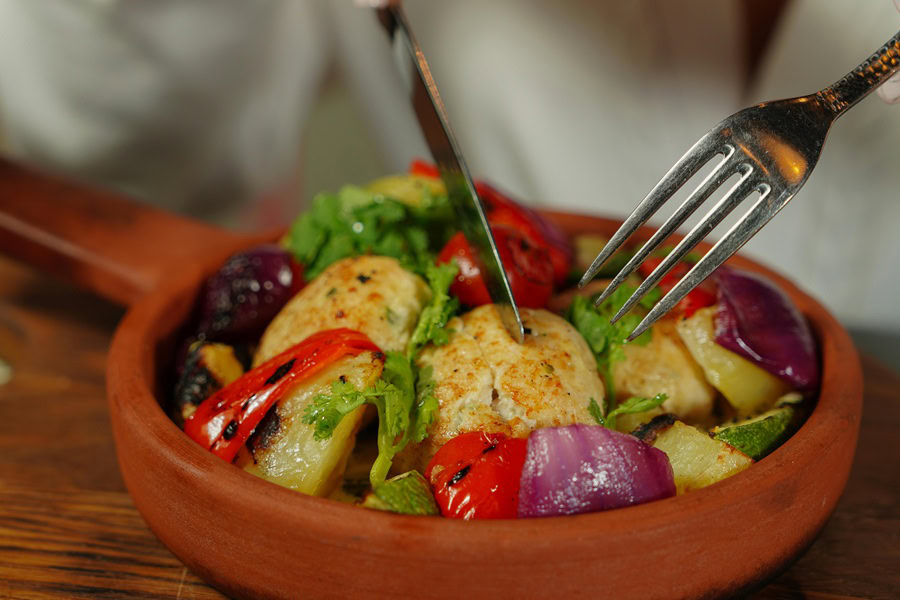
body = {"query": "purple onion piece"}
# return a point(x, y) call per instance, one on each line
point(241, 298)
point(758, 321)
point(588, 468)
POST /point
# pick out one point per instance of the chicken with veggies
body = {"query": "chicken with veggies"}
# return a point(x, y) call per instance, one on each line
point(362, 360)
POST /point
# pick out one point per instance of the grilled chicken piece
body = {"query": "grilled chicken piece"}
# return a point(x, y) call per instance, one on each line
point(664, 365)
point(371, 294)
point(485, 381)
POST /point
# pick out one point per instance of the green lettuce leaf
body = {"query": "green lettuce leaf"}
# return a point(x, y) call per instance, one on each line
point(355, 221)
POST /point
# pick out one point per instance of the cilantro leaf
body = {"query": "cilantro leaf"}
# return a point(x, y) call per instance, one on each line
point(595, 411)
point(438, 311)
point(606, 339)
point(427, 405)
point(633, 405)
point(326, 410)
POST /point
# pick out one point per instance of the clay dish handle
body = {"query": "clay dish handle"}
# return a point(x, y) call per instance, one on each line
point(117, 248)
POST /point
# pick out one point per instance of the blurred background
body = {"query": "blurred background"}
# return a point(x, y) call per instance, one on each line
point(239, 111)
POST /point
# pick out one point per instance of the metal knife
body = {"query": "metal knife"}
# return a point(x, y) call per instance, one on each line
point(435, 126)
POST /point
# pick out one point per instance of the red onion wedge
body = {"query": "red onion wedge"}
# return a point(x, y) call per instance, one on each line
point(240, 299)
point(758, 321)
point(588, 468)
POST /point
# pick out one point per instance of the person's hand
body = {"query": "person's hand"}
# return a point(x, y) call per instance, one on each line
point(890, 91)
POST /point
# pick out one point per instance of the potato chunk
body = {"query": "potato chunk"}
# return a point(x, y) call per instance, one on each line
point(747, 388)
point(283, 449)
point(697, 459)
point(664, 366)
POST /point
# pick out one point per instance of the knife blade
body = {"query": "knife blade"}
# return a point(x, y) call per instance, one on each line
point(432, 117)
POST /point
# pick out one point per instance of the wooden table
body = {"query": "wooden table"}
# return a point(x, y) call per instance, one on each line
point(68, 528)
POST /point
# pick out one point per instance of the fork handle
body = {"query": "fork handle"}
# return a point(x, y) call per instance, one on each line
point(864, 79)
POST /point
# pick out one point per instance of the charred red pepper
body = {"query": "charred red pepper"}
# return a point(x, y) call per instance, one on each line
point(476, 476)
point(527, 267)
point(224, 421)
point(700, 297)
point(503, 210)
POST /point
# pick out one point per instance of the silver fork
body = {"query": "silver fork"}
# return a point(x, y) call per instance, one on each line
point(773, 146)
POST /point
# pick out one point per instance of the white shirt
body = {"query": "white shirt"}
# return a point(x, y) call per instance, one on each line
point(199, 105)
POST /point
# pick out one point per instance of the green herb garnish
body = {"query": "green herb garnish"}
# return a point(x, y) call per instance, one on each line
point(606, 339)
point(438, 311)
point(408, 494)
point(356, 221)
point(630, 406)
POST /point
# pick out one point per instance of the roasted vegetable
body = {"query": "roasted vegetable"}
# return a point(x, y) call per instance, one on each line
point(405, 410)
point(208, 368)
point(225, 420)
point(502, 210)
point(286, 451)
point(584, 468)
point(759, 322)
point(407, 494)
point(418, 191)
point(698, 460)
point(527, 267)
point(240, 299)
point(758, 436)
point(748, 388)
point(476, 476)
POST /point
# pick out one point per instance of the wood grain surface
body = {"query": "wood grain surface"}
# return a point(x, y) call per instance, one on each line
point(68, 529)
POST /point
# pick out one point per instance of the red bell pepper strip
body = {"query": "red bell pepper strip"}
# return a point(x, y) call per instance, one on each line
point(224, 421)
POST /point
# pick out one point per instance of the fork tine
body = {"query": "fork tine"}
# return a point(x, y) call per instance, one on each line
point(686, 167)
point(737, 194)
point(707, 187)
point(760, 214)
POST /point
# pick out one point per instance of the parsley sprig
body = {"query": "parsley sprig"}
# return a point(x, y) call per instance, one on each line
point(632, 405)
point(606, 339)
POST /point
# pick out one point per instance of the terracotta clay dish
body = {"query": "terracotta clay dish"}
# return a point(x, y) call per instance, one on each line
point(254, 539)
